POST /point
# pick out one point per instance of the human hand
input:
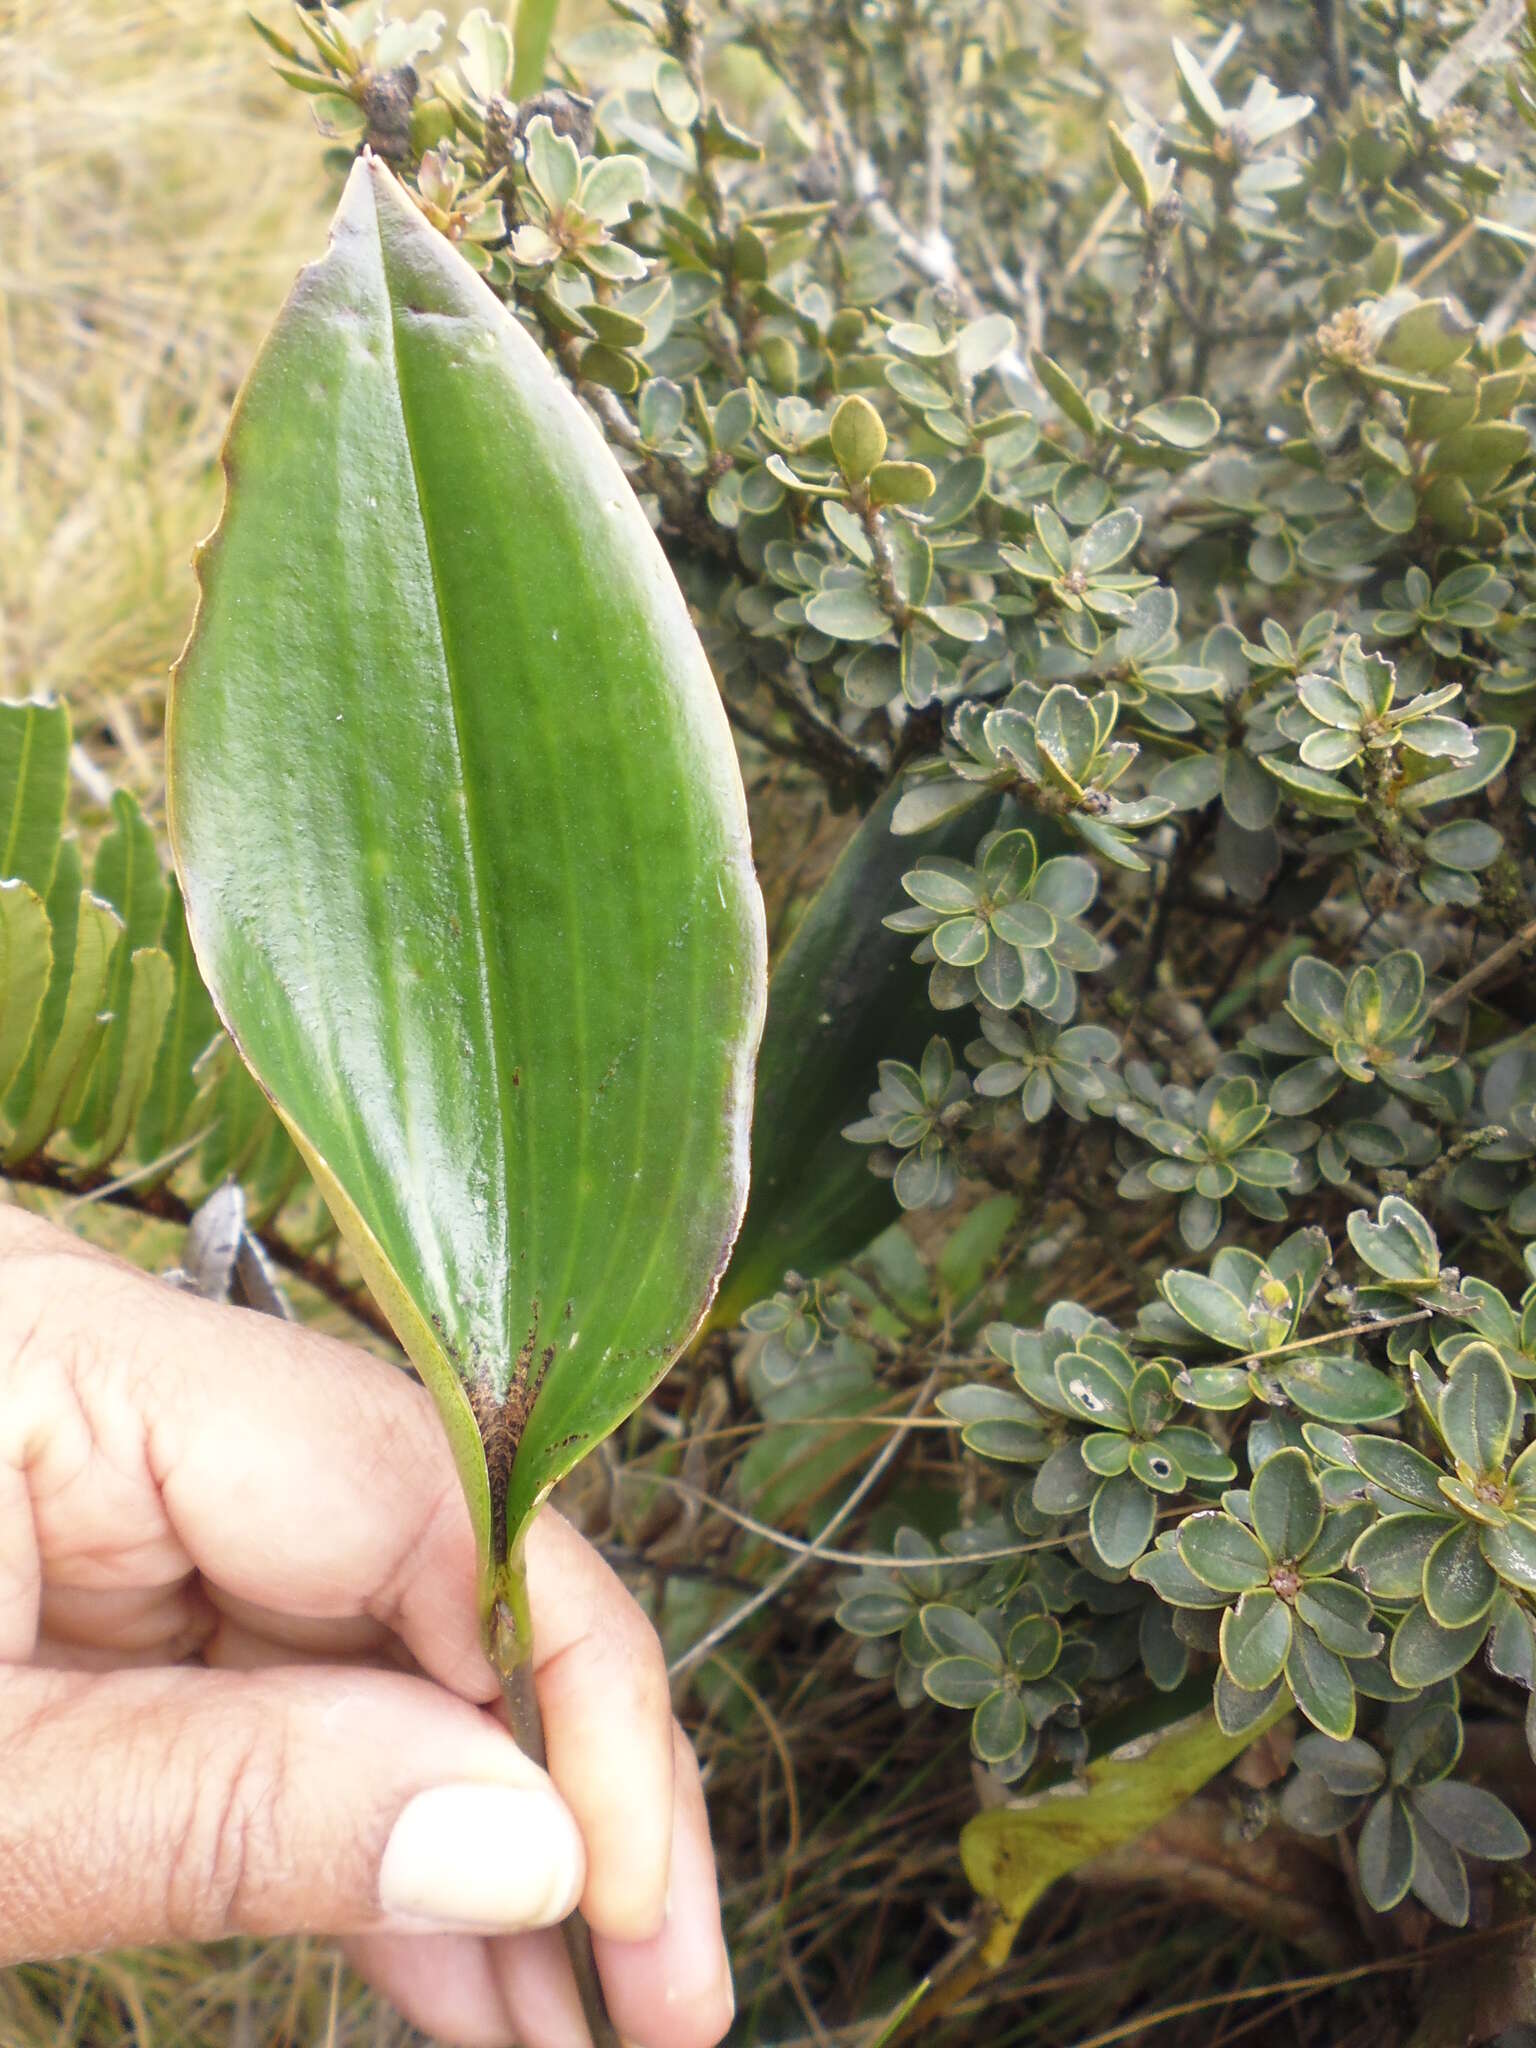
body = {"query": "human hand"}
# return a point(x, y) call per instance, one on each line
point(227, 1548)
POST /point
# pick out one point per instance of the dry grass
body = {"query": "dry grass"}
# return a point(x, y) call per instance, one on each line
point(154, 209)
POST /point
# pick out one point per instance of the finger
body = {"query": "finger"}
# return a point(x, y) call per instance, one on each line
point(671, 1991)
point(160, 1434)
point(442, 1983)
point(183, 1804)
point(311, 1478)
point(233, 1647)
point(539, 1990)
point(674, 1991)
point(165, 1621)
point(607, 1711)
point(314, 1637)
point(21, 1578)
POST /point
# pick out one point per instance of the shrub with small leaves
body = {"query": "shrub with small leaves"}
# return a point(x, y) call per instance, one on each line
point(1256, 1307)
point(1372, 1027)
point(1206, 1145)
point(802, 1323)
point(914, 1117)
point(1273, 1559)
point(1107, 504)
point(1044, 1065)
point(1420, 1825)
point(1055, 748)
point(1005, 930)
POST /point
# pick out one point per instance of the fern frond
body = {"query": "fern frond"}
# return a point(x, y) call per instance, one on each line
point(116, 1080)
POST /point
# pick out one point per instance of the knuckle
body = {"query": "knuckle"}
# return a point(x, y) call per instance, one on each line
point(223, 1848)
point(38, 1280)
point(62, 1299)
point(637, 1648)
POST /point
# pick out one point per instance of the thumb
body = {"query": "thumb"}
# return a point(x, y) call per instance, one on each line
point(148, 1806)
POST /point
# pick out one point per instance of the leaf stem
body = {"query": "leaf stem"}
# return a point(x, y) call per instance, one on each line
point(1485, 970)
point(509, 1644)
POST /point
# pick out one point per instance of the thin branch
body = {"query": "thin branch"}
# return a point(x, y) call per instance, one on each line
point(1109, 212)
point(677, 493)
point(881, 1464)
point(818, 1552)
point(933, 260)
point(885, 561)
point(1182, 861)
point(1485, 970)
point(1430, 1178)
point(1368, 1328)
point(841, 759)
point(161, 1206)
point(1136, 342)
point(765, 736)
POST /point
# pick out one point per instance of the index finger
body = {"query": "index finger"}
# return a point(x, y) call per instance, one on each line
point(298, 1473)
point(162, 1434)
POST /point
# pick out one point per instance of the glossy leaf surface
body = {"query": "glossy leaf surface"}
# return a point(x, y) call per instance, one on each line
point(844, 994)
point(464, 850)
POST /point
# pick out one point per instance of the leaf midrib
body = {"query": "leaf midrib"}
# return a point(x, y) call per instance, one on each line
point(484, 953)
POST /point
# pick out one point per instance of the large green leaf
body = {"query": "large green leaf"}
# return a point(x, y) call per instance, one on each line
point(464, 851)
point(1015, 1853)
point(845, 994)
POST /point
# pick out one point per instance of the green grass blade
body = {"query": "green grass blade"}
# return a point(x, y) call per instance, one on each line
point(66, 1059)
point(34, 776)
point(26, 963)
point(535, 27)
point(127, 875)
point(132, 1042)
